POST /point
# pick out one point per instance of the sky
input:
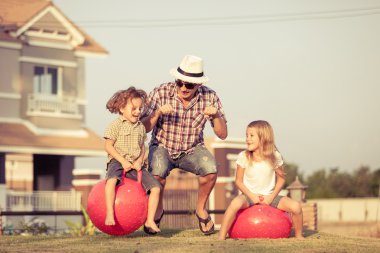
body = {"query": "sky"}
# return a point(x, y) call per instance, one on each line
point(310, 68)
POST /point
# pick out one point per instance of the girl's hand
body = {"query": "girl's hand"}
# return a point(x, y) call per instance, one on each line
point(256, 199)
point(267, 200)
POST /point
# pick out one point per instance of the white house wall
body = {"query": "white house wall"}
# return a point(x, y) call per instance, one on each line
point(349, 209)
point(9, 83)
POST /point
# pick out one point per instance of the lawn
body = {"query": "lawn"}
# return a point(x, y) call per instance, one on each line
point(187, 241)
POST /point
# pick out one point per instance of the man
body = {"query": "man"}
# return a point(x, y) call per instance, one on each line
point(177, 113)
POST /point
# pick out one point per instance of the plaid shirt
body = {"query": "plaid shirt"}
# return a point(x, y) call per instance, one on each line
point(181, 131)
point(128, 138)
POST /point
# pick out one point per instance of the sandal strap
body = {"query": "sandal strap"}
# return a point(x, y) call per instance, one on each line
point(159, 219)
point(204, 221)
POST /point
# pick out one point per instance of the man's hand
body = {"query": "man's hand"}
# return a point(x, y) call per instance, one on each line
point(165, 109)
point(210, 111)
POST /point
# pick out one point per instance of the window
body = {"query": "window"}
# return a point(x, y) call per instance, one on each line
point(45, 80)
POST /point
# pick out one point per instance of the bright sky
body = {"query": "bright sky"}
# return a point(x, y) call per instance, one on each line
point(310, 68)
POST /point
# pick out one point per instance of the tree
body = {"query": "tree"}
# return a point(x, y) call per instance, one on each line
point(375, 183)
point(291, 171)
point(318, 185)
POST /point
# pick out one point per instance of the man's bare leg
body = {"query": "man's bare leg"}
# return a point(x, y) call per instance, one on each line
point(206, 184)
point(160, 207)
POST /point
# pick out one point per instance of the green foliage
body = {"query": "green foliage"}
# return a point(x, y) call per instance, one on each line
point(374, 183)
point(8, 230)
point(291, 171)
point(35, 226)
point(336, 184)
point(78, 229)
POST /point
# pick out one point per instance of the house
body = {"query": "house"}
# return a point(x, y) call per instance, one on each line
point(42, 97)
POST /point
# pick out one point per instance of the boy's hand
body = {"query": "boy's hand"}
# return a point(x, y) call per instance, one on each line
point(137, 165)
point(127, 166)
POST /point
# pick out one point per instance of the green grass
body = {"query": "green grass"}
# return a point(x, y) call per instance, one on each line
point(187, 241)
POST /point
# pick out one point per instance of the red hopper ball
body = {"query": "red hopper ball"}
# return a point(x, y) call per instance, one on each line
point(131, 206)
point(261, 221)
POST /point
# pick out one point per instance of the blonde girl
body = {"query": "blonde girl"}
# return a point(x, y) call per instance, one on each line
point(260, 177)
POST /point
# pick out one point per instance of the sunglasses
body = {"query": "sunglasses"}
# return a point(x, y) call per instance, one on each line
point(181, 83)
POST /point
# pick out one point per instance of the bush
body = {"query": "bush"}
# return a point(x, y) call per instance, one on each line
point(35, 226)
point(78, 229)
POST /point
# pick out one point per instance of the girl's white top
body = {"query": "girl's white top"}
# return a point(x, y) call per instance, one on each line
point(260, 177)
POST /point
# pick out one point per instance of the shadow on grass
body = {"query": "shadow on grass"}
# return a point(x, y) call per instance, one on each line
point(306, 233)
point(167, 233)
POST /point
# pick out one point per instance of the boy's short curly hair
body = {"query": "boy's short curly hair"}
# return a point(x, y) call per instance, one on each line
point(120, 98)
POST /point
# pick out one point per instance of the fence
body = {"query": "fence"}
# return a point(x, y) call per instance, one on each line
point(14, 221)
point(179, 206)
point(53, 207)
point(43, 201)
point(45, 103)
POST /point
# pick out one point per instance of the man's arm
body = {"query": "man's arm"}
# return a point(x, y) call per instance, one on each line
point(218, 123)
point(220, 127)
point(151, 120)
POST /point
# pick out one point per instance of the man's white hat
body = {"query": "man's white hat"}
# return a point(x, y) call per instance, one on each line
point(190, 70)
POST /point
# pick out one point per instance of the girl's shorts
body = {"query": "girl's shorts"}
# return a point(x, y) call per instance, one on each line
point(273, 204)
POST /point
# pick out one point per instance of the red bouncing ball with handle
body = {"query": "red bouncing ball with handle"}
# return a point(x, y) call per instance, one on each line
point(261, 221)
point(131, 206)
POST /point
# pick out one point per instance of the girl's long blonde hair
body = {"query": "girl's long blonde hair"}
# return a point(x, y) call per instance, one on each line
point(267, 146)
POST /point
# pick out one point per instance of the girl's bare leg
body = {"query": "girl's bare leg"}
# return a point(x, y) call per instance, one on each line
point(295, 208)
point(237, 203)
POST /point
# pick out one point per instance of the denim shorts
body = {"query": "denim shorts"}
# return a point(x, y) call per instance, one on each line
point(200, 162)
point(273, 204)
point(115, 170)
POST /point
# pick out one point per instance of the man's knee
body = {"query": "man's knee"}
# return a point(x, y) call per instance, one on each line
point(209, 178)
point(207, 168)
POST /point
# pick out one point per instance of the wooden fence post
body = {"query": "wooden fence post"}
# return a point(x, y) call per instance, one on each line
point(1, 223)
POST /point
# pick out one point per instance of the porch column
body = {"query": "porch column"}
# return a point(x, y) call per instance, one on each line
point(65, 174)
point(3, 193)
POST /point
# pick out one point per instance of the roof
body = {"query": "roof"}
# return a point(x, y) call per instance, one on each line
point(297, 185)
point(18, 138)
point(18, 15)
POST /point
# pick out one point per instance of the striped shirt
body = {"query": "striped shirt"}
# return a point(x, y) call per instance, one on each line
point(181, 131)
point(128, 138)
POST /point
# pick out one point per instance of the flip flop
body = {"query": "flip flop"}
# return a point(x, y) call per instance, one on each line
point(147, 229)
point(158, 221)
point(205, 221)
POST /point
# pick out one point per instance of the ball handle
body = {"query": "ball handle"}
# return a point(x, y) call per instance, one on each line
point(139, 176)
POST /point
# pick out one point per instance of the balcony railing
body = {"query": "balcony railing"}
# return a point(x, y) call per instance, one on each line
point(52, 104)
point(43, 201)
